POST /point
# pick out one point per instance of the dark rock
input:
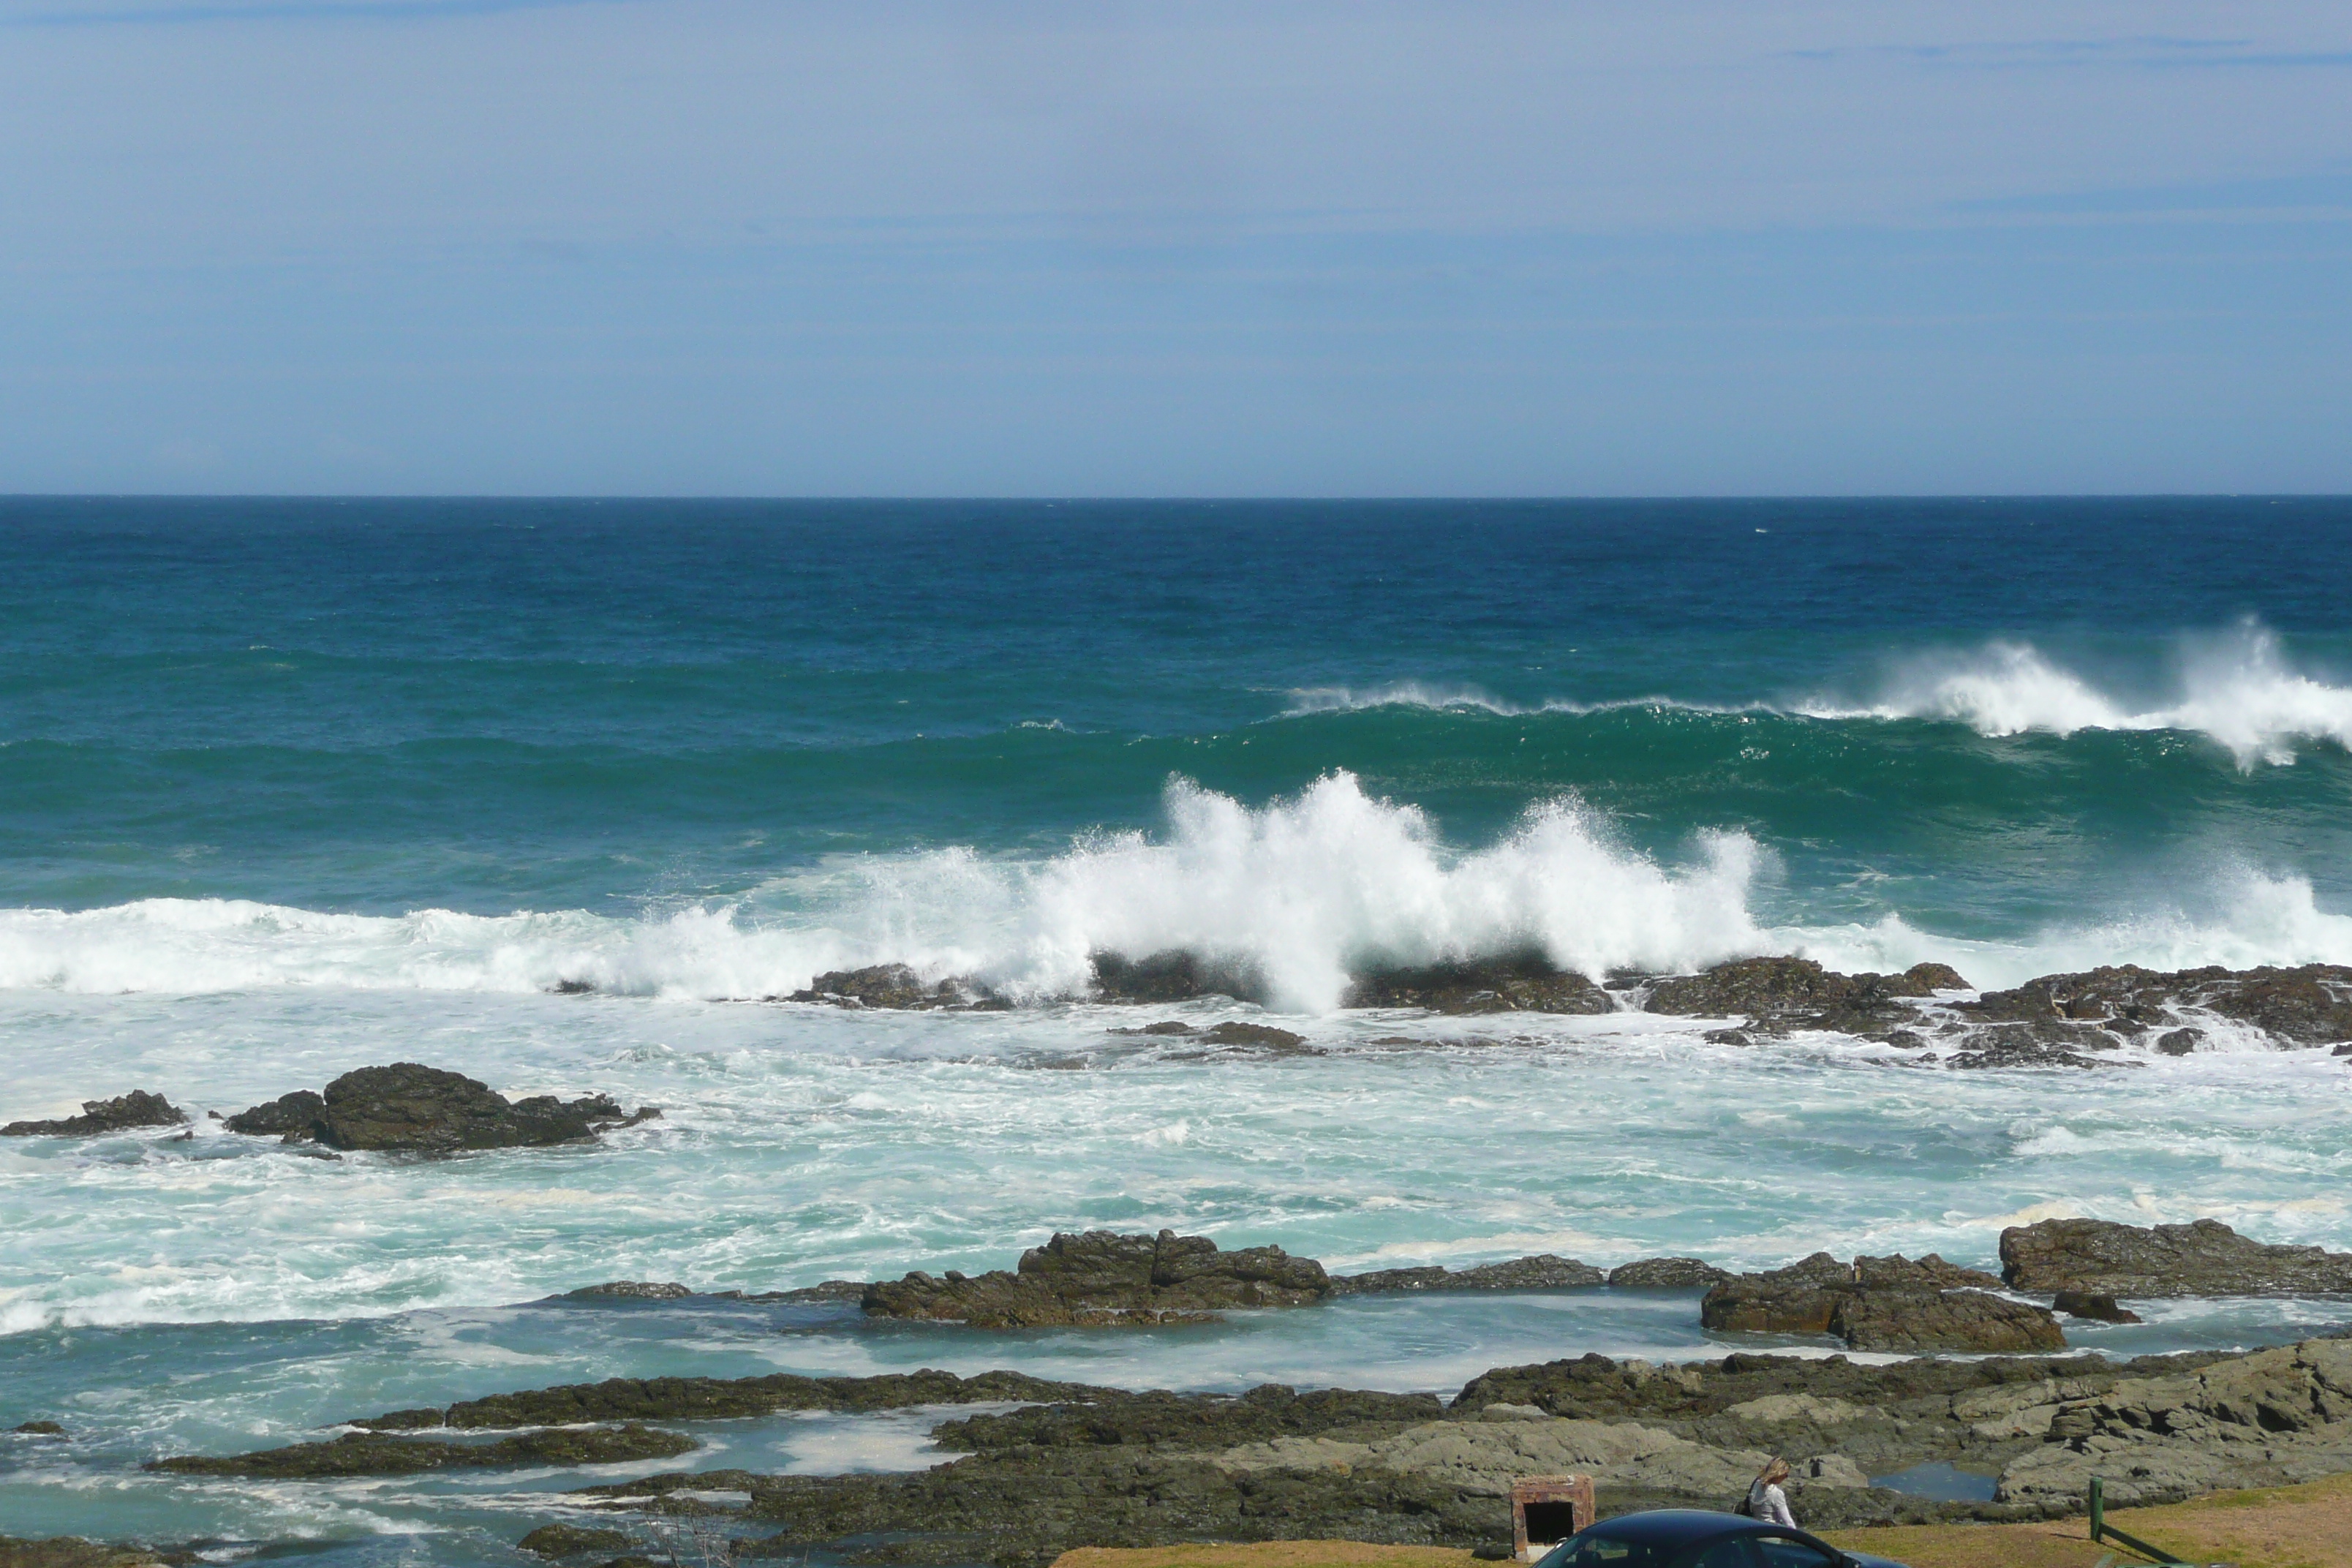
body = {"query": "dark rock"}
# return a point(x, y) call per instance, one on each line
point(2204, 1258)
point(1782, 993)
point(38, 1429)
point(1161, 1419)
point(73, 1552)
point(2311, 1005)
point(1741, 1037)
point(301, 1114)
point(1262, 1037)
point(1103, 1277)
point(895, 986)
point(1541, 1272)
point(1518, 983)
point(725, 1398)
point(408, 1107)
point(1176, 976)
point(2178, 1042)
point(1022, 1509)
point(2046, 1043)
point(2092, 1305)
point(137, 1108)
point(370, 1453)
point(1974, 1320)
point(1667, 1274)
point(1166, 1026)
point(1882, 1304)
point(638, 1289)
point(572, 1539)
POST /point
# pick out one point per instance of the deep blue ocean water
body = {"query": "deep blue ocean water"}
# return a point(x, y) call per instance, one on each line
point(288, 787)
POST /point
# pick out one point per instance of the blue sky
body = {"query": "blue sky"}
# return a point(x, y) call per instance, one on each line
point(867, 247)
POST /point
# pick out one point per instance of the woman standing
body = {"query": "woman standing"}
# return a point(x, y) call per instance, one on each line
point(1766, 1501)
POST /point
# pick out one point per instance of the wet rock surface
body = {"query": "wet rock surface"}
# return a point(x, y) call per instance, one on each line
point(1883, 1304)
point(1782, 994)
point(572, 1541)
point(1517, 983)
point(722, 1398)
point(1667, 1274)
point(1176, 975)
point(630, 1289)
point(73, 1552)
point(2203, 1257)
point(38, 1429)
point(1191, 1421)
point(410, 1108)
point(2094, 1306)
point(372, 1454)
point(897, 987)
point(1103, 1277)
point(140, 1108)
point(2311, 1005)
point(1542, 1271)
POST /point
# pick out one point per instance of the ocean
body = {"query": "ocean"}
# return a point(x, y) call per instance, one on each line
point(562, 795)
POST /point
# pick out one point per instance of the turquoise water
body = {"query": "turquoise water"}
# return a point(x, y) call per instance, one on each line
point(289, 787)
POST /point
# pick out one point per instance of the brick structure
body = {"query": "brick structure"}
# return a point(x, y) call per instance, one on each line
point(1546, 1511)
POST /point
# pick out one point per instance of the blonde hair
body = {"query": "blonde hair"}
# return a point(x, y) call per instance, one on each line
point(1773, 1473)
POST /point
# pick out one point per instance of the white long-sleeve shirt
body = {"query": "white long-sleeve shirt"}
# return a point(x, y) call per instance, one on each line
point(1770, 1503)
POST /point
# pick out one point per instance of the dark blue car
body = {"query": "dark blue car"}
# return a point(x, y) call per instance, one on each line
point(1694, 1538)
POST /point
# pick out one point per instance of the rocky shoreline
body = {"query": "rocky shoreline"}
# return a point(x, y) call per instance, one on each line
point(1080, 1465)
point(1047, 1465)
point(2079, 1020)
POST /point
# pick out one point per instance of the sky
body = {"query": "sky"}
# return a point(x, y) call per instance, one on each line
point(1290, 248)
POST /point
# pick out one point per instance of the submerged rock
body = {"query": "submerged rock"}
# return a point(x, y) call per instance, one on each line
point(140, 1108)
point(1882, 1304)
point(371, 1453)
point(1103, 1278)
point(411, 1107)
point(2203, 1257)
point(572, 1541)
point(1520, 983)
point(1542, 1271)
point(38, 1429)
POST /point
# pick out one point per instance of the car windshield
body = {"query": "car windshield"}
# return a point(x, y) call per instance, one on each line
point(1594, 1550)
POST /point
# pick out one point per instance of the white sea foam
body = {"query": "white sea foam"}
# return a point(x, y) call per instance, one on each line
point(2239, 689)
point(1301, 890)
point(1298, 890)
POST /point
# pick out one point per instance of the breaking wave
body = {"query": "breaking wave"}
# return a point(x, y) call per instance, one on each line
point(1302, 891)
point(2238, 689)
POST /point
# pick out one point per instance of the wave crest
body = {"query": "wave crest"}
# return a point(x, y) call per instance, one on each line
point(1300, 890)
point(2239, 689)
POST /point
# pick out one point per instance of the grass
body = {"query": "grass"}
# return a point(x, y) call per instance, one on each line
point(2308, 1526)
point(2279, 1527)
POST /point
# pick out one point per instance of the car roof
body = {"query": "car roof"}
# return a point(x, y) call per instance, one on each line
point(1678, 1526)
point(1682, 1526)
